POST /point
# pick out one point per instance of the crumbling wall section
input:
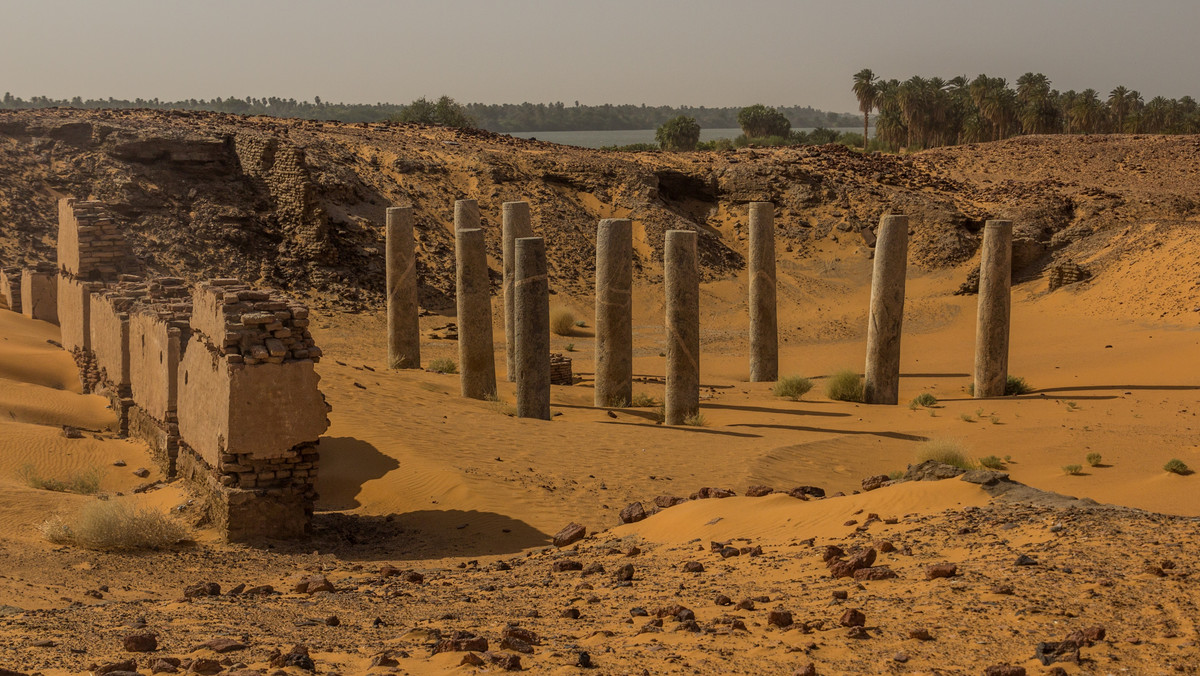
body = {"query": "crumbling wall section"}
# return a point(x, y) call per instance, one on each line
point(10, 288)
point(250, 410)
point(280, 165)
point(39, 293)
point(91, 244)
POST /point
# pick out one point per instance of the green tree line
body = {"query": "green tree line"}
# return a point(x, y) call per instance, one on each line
point(504, 117)
point(927, 112)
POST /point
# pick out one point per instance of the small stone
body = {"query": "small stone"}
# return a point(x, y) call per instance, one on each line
point(584, 660)
point(565, 566)
point(570, 614)
point(1004, 670)
point(857, 632)
point(693, 567)
point(840, 594)
point(875, 573)
point(852, 618)
point(900, 657)
point(141, 472)
point(312, 584)
point(758, 491)
point(745, 604)
point(633, 513)
point(874, 482)
point(920, 634)
point(202, 589)
point(624, 573)
point(723, 600)
point(809, 669)
point(570, 534)
point(941, 570)
point(779, 618)
point(141, 643)
point(1026, 560)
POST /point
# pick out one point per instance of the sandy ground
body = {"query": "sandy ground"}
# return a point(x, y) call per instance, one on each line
point(414, 476)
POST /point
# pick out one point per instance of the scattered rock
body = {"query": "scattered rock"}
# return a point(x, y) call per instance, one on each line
point(566, 565)
point(297, 657)
point(809, 669)
point(633, 513)
point(1026, 560)
point(311, 584)
point(984, 477)
point(852, 618)
point(693, 567)
point(708, 492)
point(723, 600)
point(144, 642)
point(874, 482)
point(113, 667)
point(846, 568)
point(875, 573)
point(920, 634)
point(202, 589)
point(570, 534)
point(1057, 651)
point(779, 618)
point(665, 501)
point(805, 492)
point(758, 491)
point(1004, 670)
point(932, 470)
point(941, 570)
point(71, 432)
point(461, 641)
point(222, 645)
point(141, 472)
point(624, 573)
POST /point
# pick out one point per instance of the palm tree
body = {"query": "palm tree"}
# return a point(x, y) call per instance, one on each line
point(1088, 112)
point(866, 89)
point(1118, 105)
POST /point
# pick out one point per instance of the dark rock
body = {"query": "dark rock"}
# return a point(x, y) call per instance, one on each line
point(840, 594)
point(875, 573)
point(204, 665)
point(222, 645)
point(461, 641)
point(665, 501)
point(389, 571)
point(709, 492)
point(202, 589)
point(311, 584)
point(566, 565)
point(505, 661)
point(984, 477)
point(874, 482)
point(296, 657)
point(594, 569)
point(779, 618)
point(758, 491)
point(857, 632)
point(932, 470)
point(384, 659)
point(1026, 560)
point(624, 573)
point(570, 534)
point(516, 645)
point(941, 570)
point(1004, 670)
point(570, 614)
point(522, 634)
point(727, 552)
point(1002, 589)
point(633, 513)
point(584, 660)
point(693, 567)
point(809, 669)
point(845, 568)
point(166, 665)
point(237, 590)
point(688, 625)
point(852, 618)
point(723, 600)
point(71, 432)
point(144, 642)
point(832, 552)
point(127, 665)
point(638, 612)
point(1057, 651)
point(805, 492)
point(886, 547)
point(261, 590)
point(414, 577)
point(745, 604)
point(920, 634)
point(900, 657)
point(141, 472)
point(332, 621)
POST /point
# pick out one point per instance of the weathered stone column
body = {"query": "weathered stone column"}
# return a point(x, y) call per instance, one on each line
point(764, 331)
point(515, 225)
point(991, 329)
point(882, 382)
point(477, 361)
point(531, 315)
point(614, 312)
point(682, 291)
point(403, 329)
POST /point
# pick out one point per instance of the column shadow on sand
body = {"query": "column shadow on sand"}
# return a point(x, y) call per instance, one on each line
point(346, 464)
point(698, 430)
point(780, 411)
point(419, 535)
point(825, 430)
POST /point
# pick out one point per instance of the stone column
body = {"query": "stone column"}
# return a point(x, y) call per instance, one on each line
point(477, 362)
point(764, 332)
point(531, 315)
point(515, 226)
point(882, 382)
point(682, 291)
point(991, 329)
point(403, 329)
point(614, 312)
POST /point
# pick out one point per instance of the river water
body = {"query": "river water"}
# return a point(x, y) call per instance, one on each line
point(624, 137)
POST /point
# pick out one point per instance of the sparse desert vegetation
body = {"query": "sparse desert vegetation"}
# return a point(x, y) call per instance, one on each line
point(562, 323)
point(1072, 470)
point(85, 482)
point(443, 365)
point(945, 451)
point(845, 385)
point(792, 387)
point(991, 462)
point(1094, 459)
point(1177, 466)
point(110, 525)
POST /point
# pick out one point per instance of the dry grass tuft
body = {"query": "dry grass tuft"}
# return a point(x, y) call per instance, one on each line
point(562, 323)
point(793, 387)
point(114, 526)
point(84, 483)
point(945, 451)
point(845, 385)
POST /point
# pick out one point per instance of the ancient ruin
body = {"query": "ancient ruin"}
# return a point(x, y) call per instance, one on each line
point(881, 384)
point(403, 327)
point(614, 312)
point(531, 315)
point(682, 292)
point(217, 379)
point(764, 331)
point(477, 362)
point(514, 225)
point(992, 325)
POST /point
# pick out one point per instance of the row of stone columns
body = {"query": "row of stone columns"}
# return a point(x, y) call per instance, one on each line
point(526, 309)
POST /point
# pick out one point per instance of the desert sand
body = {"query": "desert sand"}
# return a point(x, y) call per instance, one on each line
point(436, 512)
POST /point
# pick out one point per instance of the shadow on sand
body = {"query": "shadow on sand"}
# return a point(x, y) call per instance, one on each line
point(824, 430)
point(346, 464)
point(698, 430)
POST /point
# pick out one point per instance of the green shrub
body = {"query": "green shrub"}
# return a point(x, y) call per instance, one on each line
point(716, 144)
point(85, 482)
point(696, 419)
point(643, 400)
point(793, 387)
point(758, 121)
point(923, 399)
point(114, 526)
point(945, 451)
point(1093, 459)
point(991, 462)
point(845, 385)
point(569, 347)
point(678, 133)
point(632, 147)
point(1072, 470)
point(443, 365)
point(1177, 466)
point(562, 323)
point(1016, 385)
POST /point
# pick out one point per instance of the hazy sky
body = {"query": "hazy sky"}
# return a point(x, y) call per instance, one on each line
point(698, 52)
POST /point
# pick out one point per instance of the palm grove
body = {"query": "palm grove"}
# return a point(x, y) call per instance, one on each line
point(927, 112)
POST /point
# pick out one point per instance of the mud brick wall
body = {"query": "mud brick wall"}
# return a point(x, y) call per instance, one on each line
point(1066, 273)
point(159, 331)
point(560, 370)
point(39, 293)
point(249, 409)
point(91, 244)
point(10, 288)
point(108, 330)
point(280, 165)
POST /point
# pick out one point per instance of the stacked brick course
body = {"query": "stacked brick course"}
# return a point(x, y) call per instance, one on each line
point(1069, 272)
point(248, 326)
point(560, 370)
point(10, 288)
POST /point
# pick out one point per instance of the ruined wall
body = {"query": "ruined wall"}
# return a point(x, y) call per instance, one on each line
point(159, 331)
point(10, 288)
point(91, 244)
point(108, 330)
point(39, 293)
point(280, 165)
